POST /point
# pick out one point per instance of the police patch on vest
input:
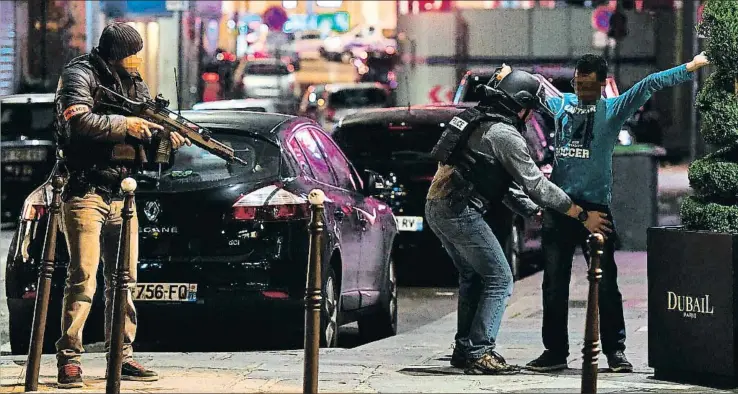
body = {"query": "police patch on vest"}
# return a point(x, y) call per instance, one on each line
point(75, 110)
point(458, 123)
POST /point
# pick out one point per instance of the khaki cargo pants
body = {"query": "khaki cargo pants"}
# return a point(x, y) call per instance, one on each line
point(93, 229)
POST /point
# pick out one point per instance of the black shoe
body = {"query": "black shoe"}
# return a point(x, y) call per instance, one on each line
point(458, 359)
point(134, 371)
point(70, 376)
point(548, 362)
point(618, 362)
point(490, 363)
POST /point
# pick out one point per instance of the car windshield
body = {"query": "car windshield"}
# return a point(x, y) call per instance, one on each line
point(32, 121)
point(357, 98)
point(267, 69)
point(194, 168)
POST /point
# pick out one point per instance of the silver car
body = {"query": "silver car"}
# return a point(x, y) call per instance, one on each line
point(341, 99)
point(249, 104)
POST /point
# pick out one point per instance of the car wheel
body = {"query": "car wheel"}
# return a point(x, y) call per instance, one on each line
point(330, 311)
point(20, 321)
point(382, 323)
point(514, 249)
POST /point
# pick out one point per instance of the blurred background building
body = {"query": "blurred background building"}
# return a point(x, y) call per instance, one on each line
point(439, 40)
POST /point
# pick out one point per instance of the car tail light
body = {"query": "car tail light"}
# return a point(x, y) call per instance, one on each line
point(210, 77)
point(270, 204)
point(275, 294)
point(33, 212)
point(37, 203)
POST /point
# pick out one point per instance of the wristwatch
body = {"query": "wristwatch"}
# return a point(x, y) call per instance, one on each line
point(583, 216)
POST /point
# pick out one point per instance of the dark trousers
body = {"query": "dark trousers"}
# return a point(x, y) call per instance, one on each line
point(560, 236)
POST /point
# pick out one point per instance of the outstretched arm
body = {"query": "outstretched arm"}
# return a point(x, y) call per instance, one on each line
point(628, 103)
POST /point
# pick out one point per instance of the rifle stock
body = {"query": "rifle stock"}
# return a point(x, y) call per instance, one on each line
point(155, 111)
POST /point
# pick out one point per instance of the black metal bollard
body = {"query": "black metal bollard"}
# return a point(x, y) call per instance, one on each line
point(121, 280)
point(313, 296)
point(591, 350)
point(44, 287)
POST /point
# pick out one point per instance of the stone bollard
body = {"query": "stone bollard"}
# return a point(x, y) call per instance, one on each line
point(591, 350)
point(43, 290)
point(121, 280)
point(313, 296)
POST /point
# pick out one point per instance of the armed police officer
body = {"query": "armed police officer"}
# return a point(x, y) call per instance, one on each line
point(100, 150)
point(483, 157)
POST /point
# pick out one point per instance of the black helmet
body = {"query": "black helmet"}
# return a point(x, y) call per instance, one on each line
point(519, 90)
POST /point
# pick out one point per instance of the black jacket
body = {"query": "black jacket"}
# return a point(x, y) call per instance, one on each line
point(89, 139)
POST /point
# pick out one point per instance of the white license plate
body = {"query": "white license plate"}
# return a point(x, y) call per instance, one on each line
point(409, 223)
point(174, 292)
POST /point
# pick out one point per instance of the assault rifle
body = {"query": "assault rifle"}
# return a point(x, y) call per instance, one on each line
point(156, 111)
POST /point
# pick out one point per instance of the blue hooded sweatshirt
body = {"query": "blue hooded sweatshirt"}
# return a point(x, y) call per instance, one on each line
point(586, 135)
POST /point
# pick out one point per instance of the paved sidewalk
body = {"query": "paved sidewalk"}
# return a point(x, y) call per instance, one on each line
point(417, 361)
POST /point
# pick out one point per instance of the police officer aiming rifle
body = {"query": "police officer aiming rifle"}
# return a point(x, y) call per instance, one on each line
point(484, 159)
point(100, 149)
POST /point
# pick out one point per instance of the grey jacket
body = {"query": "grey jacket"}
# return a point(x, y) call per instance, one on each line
point(504, 150)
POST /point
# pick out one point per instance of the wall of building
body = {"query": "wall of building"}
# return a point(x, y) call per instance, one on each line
point(514, 36)
point(8, 49)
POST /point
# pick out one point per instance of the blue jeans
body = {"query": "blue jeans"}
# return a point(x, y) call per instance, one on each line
point(485, 279)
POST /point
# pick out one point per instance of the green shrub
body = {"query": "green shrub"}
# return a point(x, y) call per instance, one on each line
point(715, 177)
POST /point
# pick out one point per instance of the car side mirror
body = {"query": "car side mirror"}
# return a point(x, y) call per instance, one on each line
point(373, 182)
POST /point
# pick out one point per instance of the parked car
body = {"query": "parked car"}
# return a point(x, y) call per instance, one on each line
point(254, 105)
point(267, 78)
point(367, 38)
point(225, 246)
point(308, 43)
point(342, 99)
point(28, 148)
point(274, 45)
point(377, 66)
point(396, 143)
point(311, 99)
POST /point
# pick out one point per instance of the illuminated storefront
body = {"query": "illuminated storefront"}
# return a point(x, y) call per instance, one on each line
point(240, 18)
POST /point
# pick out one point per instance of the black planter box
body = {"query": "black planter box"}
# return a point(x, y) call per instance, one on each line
point(692, 306)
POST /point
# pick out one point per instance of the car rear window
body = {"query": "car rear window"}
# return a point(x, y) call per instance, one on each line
point(381, 142)
point(470, 94)
point(266, 69)
point(357, 98)
point(33, 121)
point(194, 168)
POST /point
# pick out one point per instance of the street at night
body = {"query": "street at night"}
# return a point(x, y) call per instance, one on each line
point(368, 196)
